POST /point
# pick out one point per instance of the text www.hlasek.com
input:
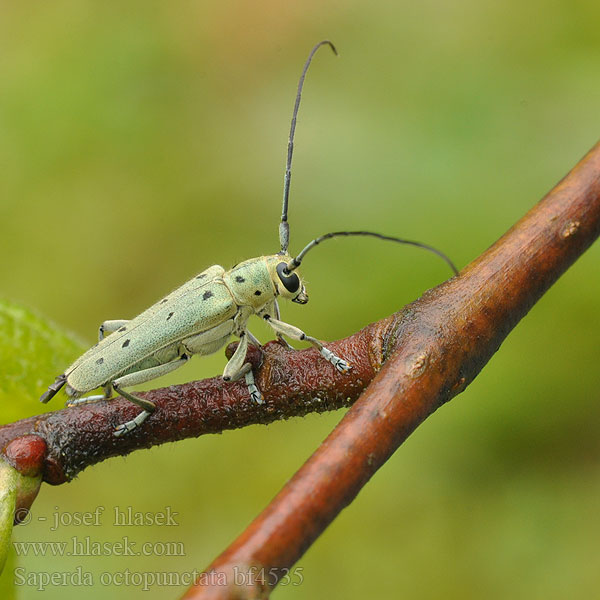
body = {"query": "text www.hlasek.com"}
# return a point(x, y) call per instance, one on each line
point(87, 547)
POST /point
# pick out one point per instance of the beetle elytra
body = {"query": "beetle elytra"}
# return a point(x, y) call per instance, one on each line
point(201, 315)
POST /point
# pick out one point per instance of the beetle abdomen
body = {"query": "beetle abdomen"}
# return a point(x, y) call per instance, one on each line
point(192, 312)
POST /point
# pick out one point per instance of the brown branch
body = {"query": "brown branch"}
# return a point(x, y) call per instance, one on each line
point(293, 383)
point(442, 341)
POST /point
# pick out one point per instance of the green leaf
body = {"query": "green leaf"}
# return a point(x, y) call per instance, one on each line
point(33, 352)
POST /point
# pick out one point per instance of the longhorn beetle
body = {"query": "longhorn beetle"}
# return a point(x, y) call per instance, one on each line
point(201, 315)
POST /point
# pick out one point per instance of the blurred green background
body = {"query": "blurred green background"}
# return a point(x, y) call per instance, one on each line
point(142, 142)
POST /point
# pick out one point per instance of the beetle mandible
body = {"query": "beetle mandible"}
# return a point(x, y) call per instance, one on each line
point(201, 315)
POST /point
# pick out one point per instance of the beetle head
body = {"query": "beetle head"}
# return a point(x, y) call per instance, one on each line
point(289, 285)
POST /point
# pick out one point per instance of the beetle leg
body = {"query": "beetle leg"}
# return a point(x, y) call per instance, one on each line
point(149, 408)
point(297, 334)
point(236, 368)
point(279, 335)
point(253, 340)
point(255, 394)
point(110, 327)
point(148, 374)
point(107, 393)
point(131, 425)
point(253, 390)
point(88, 399)
point(142, 377)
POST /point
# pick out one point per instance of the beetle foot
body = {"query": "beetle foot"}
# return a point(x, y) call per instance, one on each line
point(87, 400)
point(129, 426)
point(284, 342)
point(253, 390)
point(340, 364)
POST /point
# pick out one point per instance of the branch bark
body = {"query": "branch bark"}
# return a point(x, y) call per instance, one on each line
point(293, 383)
point(432, 349)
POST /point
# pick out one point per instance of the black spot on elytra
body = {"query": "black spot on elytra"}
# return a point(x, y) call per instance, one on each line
point(125, 344)
point(201, 276)
point(123, 329)
point(99, 361)
point(165, 300)
point(206, 295)
point(240, 279)
point(257, 293)
point(170, 315)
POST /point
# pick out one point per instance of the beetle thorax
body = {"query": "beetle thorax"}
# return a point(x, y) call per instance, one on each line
point(250, 283)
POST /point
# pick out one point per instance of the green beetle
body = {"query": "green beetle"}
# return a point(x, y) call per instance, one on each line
point(200, 317)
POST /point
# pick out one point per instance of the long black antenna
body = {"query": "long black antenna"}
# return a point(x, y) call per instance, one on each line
point(284, 228)
point(295, 262)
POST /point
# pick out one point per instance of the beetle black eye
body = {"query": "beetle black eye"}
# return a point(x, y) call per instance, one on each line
point(290, 281)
